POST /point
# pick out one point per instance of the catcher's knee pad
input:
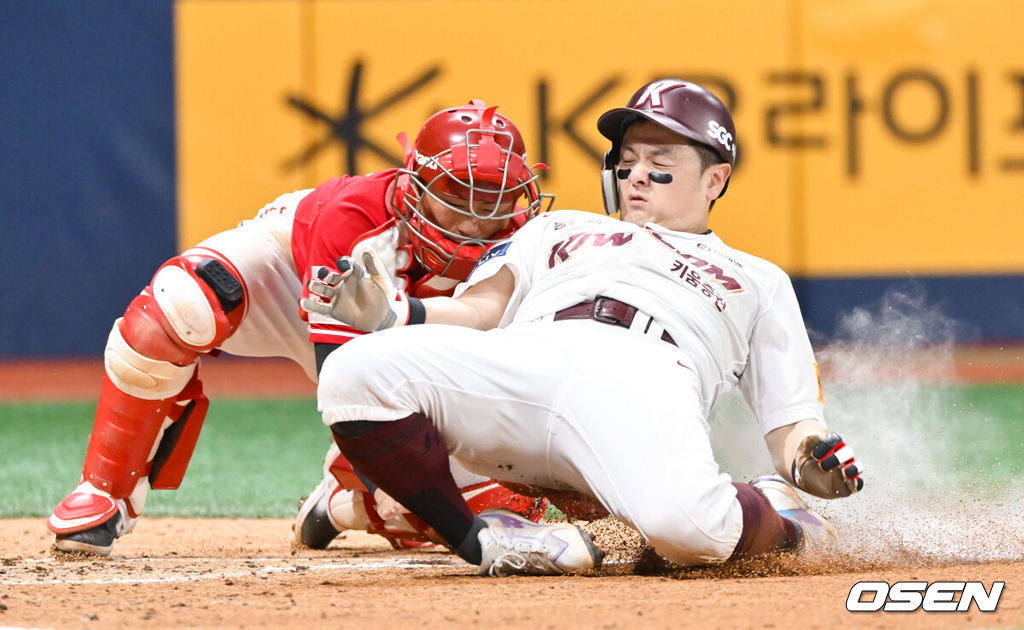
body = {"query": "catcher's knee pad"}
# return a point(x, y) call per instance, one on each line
point(191, 306)
point(140, 376)
point(201, 298)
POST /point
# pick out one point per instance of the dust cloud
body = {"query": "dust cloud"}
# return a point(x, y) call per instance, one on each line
point(942, 474)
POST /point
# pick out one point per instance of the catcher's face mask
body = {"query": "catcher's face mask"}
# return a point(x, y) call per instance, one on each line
point(470, 162)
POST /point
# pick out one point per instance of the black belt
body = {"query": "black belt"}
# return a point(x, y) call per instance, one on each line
point(607, 311)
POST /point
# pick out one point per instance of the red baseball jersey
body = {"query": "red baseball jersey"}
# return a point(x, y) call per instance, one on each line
point(335, 218)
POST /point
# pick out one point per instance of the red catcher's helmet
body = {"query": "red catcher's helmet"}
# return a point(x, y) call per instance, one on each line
point(680, 106)
point(474, 153)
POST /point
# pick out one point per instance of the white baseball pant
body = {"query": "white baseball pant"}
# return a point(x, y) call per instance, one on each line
point(260, 250)
point(572, 404)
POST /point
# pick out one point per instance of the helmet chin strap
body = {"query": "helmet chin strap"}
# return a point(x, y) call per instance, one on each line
point(657, 177)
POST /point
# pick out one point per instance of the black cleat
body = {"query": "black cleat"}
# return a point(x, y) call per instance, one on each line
point(98, 541)
point(312, 527)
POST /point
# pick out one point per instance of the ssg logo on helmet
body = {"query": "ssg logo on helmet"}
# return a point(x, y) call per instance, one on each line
point(429, 161)
point(718, 132)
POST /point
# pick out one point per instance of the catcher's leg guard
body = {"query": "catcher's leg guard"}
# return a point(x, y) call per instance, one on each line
point(118, 460)
point(489, 494)
point(150, 384)
point(575, 505)
point(174, 450)
point(124, 431)
point(338, 502)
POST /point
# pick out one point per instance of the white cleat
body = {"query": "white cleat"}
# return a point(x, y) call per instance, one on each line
point(513, 545)
point(816, 533)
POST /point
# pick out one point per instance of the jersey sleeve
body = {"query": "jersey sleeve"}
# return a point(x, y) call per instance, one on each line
point(781, 382)
point(329, 222)
point(520, 254)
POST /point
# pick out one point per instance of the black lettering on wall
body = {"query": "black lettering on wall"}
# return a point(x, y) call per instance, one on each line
point(890, 93)
point(347, 125)
point(813, 103)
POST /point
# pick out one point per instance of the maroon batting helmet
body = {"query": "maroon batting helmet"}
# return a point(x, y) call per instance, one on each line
point(680, 106)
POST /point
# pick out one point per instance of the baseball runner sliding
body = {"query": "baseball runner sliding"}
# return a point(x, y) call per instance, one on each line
point(585, 353)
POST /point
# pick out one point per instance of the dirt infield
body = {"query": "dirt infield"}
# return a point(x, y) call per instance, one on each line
point(213, 573)
point(232, 573)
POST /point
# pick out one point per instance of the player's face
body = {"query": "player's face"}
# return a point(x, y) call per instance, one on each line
point(454, 215)
point(681, 204)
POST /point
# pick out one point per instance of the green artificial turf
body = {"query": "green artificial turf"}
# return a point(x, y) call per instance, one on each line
point(255, 458)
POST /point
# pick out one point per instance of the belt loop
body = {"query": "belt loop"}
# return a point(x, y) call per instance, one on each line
point(642, 322)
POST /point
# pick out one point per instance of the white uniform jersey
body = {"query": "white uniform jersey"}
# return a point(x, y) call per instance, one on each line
point(734, 317)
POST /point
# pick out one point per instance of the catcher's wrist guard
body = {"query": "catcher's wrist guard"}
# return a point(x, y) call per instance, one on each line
point(417, 312)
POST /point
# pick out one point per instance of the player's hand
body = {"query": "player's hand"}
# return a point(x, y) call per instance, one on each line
point(825, 467)
point(360, 294)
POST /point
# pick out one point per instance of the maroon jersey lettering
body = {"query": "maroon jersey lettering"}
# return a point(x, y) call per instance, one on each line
point(728, 283)
point(561, 250)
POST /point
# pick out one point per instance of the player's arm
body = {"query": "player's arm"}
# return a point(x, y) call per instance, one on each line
point(816, 461)
point(362, 294)
point(784, 441)
point(480, 306)
point(781, 383)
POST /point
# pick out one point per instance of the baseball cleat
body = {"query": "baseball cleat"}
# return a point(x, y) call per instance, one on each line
point(313, 526)
point(88, 520)
point(816, 533)
point(98, 540)
point(513, 545)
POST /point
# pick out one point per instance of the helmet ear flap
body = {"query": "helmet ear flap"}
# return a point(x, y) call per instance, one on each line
point(609, 183)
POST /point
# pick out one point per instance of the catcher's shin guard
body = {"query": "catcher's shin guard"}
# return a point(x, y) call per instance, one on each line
point(357, 509)
point(120, 456)
point(151, 404)
point(342, 501)
point(124, 432)
point(407, 530)
point(174, 451)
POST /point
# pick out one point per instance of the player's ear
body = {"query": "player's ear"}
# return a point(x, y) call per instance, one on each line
point(716, 176)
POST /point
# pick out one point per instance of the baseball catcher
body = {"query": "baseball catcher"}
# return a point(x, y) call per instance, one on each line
point(465, 185)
